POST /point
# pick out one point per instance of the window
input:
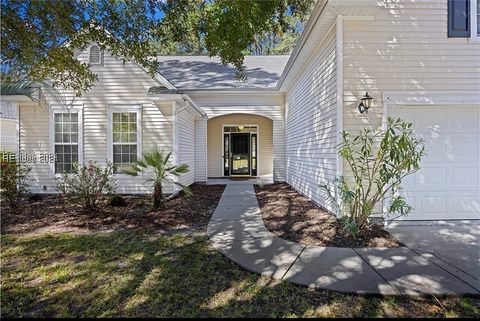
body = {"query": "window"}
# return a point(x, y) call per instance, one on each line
point(464, 19)
point(95, 55)
point(66, 141)
point(125, 140)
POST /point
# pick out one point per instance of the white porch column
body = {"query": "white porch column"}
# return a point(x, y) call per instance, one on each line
point(278, 150)
point(201, 149)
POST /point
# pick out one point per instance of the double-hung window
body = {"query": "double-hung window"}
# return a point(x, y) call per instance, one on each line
point(464, 19)
point(124, 136)
point(66, 139)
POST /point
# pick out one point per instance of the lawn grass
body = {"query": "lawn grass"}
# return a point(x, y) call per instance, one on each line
point(134, 274)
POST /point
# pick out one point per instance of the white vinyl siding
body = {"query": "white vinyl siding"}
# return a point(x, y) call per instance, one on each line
point(186, 145)
point(122, 84)
point(8, 135)
point(118, 84)
point(9, 126)
point(310, 124)
point(405, 49)
point(35, 139)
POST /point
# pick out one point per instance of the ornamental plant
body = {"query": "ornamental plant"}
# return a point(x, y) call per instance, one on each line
point(13, 181)
point(158, 164)
point(378, 162)
point(87, 184)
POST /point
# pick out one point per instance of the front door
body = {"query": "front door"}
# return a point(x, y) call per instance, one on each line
point(240, 159)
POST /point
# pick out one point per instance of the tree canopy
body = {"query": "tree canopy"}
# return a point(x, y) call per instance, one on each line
point(40, 38)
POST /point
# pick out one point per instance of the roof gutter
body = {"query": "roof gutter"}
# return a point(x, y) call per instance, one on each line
point(317, 11)
point(194, 106)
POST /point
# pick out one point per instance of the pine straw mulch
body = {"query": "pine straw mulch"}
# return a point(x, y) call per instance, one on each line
point(52, 214)
point(292, 216)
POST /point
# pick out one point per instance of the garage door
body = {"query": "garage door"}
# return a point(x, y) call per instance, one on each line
point(448, 184)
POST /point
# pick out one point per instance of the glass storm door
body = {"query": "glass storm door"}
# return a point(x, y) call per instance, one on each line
point(240, 151)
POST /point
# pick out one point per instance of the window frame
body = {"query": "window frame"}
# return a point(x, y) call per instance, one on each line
point(474, 34)
point(64, 110)
point(133, 108)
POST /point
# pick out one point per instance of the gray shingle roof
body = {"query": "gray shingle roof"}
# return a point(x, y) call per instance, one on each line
point(202, 72)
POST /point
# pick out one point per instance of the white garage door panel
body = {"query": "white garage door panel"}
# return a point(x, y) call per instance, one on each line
point(448, 184)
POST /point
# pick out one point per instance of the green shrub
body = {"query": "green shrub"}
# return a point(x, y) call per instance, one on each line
point(116, 200)
point(158, 165)
point(378, 162)
point(13, 181)
point(87, 185)
point(139, 203)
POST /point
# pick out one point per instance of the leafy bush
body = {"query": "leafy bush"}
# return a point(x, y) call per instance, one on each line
point(13, 182)
point(87, 185)
point(116, 200)
point(163, 171)
point(376, 172)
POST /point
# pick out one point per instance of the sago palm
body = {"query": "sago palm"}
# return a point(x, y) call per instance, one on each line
point(162, 170)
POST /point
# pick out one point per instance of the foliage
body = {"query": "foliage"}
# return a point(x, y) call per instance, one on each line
point(87, 184)
point(13, 181)
point(16, 83)
point(280, 41)
point(42, 38)
point(163, 171)
point(116, 200)
point(377, 172)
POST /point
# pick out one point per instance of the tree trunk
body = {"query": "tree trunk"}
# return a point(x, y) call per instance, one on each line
point(158, 196)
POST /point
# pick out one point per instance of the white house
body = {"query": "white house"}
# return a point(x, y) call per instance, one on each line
point(418, 59)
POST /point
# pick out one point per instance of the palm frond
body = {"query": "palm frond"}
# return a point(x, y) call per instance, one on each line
point(180, 169)
point(15, 83)
point(184, 188)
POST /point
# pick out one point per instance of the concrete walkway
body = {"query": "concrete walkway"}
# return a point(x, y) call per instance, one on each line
point(237, 231)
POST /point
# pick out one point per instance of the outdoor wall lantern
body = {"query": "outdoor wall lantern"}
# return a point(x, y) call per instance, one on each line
point(365, 104)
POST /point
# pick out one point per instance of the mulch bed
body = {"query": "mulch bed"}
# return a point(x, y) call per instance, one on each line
point(292, 216)
point(52, 214)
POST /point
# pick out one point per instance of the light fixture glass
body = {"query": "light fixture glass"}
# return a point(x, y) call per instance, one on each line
point(365, 104)
point(241, 127)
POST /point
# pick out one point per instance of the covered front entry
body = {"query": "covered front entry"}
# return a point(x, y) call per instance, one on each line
point(240, 145)
point(240, 150)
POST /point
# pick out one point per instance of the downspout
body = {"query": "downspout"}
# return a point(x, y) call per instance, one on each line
point(175, 141)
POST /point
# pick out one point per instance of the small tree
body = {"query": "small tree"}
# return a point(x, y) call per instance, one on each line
point(163, 170)
point(376, 172)
point(87, 184)
point(13, 181)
